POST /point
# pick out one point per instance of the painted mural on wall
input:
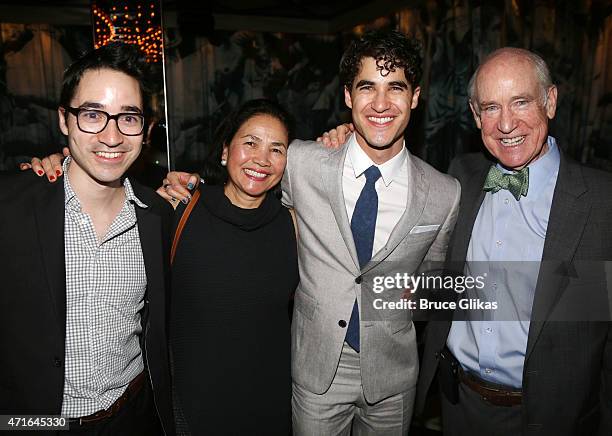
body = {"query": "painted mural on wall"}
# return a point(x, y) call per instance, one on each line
point(32, 61)
point(208, 77)
point(575, 39)
point(207, 80)
point(300, 71)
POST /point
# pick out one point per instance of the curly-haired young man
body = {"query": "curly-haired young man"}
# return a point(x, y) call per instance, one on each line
point(360, 210)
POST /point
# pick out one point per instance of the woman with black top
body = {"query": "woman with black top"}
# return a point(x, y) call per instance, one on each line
point(234, 271)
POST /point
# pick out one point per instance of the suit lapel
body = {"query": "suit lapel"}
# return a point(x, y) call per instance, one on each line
point(49, 216)
point(472, 196)
point(332, 171)
point(568, 216)
point(150, 233)
point(418, 191)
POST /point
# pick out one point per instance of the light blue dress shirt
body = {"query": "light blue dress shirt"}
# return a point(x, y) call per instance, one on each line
point(506, 246)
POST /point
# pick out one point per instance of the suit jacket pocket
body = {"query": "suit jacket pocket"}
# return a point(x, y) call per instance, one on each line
point(421, 238)
point(399, 321)
point(305, 303)
point(424, 229)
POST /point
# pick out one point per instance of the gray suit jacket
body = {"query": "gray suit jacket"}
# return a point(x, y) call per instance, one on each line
point(330, 277)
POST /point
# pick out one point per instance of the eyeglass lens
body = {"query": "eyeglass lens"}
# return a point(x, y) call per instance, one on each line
point(94, 121)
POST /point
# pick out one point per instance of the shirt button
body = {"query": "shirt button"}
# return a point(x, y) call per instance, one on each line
point(358, 279)
point(498, 243)
point(57, 362)
point(489, 330)
point(342, 323)
point(488, 370)
point(494, 286)
point(506, 201)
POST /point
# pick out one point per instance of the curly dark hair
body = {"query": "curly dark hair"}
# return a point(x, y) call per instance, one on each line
point(391, 49)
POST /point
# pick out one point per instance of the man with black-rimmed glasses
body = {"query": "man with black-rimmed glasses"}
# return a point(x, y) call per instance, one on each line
point(82, 304)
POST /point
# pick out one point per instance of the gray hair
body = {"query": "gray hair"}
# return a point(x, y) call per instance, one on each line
point(539, 65)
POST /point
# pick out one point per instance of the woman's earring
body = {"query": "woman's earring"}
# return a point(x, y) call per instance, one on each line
point(223, 162)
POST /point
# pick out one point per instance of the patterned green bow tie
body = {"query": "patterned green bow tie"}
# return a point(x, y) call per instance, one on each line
point(516, 183)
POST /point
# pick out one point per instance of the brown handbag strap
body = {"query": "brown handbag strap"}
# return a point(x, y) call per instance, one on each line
point(181, 224)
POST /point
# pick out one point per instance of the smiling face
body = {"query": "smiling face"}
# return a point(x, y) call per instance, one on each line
point(104, 157)
point(256, 159)
point(381, 102)
point(510, 110)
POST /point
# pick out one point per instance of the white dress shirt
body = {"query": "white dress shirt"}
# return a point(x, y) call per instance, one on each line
point(392, 188)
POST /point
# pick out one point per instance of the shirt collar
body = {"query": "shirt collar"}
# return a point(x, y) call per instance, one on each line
point(69, 194)
point(130, 195)
point(71, 197)
point(361, 161)
point(543, 168)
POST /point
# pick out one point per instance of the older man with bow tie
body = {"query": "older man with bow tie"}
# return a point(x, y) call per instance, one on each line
point(527, 374)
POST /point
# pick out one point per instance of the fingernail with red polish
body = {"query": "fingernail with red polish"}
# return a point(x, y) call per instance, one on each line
point(52, 178)
point(39, 172)
point(58, 172)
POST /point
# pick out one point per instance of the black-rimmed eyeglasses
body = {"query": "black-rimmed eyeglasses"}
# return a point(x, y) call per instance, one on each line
point(94, 121)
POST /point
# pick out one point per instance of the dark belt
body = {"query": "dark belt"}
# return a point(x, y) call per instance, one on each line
point(133, 388)
point(495, 395)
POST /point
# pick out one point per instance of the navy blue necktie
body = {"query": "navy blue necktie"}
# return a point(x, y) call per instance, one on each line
point(363, 225)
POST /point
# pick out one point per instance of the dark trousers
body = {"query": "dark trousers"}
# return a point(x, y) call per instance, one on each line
point(473, 416)
point(137, 417)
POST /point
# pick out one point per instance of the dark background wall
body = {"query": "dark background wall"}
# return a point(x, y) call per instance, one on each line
point(32, 60)
point(216, 59)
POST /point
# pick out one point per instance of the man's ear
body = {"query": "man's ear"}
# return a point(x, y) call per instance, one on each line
point(347, 98)
point(61, 114)
point(415, 97)
point(476, 115)
point(551, 102)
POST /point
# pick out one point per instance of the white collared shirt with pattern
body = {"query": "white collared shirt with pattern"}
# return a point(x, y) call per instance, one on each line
point(105, 289)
